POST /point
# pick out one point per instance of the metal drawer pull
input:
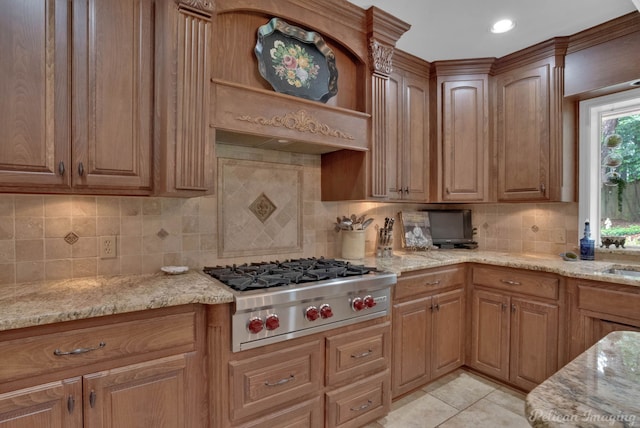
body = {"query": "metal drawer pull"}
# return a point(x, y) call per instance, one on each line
point(436, 282)
point(510, 282)
point(79, 350)
point(80, 169)
point(364, 354)
point(281, 381)
point(61, 168)
point(92, 399)
point(363, 407)
point(71, 403)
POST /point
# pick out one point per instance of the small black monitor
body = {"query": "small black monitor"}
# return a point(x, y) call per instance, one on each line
point(451, 228)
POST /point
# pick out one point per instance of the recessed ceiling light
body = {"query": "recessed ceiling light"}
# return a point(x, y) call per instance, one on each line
point(502, 26)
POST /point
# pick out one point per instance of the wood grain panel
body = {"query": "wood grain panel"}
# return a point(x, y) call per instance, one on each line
point(192, 139)
point(357, 404)
point(416, 172)
point(421, 282)
point(113, 94)
point(34, 122)
point(353, 354)
point(447, 349)
point(619, 303)
point(490, 334)
point(517, 281)
point(534, 342)
point(308, 414)
point(412, 327)
point(33, 356)
point(43, 406)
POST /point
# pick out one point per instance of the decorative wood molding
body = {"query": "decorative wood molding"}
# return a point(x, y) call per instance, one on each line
point(611, 30)
point(204, 5)
point(552, 49)
point(463, 66)
point(300, 121)
point(381, 57)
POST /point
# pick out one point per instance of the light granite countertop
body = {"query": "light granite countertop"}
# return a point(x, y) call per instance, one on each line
point(600, 388)
point(32, 304)
point(590, 270)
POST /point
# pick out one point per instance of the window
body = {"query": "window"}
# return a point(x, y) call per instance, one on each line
point(609, 186)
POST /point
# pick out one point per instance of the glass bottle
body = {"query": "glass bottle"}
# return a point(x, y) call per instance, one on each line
point(587, 245)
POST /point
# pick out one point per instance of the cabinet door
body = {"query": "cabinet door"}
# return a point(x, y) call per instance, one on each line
point(534, 342)
point(34, 89)
point(53, 405)
point(447, 349)
point(150, 394)
point(113, 44)
point(411, 345)
point(395, 120)
point(415, 165)
point(465, 140)
point(523, 102)
point(490, 334)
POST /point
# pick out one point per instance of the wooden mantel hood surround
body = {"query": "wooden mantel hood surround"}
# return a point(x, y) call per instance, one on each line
point(247, 111)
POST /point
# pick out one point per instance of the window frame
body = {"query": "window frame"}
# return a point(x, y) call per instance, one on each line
point(591, 112)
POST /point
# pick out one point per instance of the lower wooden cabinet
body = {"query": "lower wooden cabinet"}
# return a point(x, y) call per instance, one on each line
point(51, 405)
point(597, 309)
point(513, 338)
point(154, 376)
point(428, 327)
point(339, 378)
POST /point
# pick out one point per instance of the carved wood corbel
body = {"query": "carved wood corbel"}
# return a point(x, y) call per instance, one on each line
point(381, 57)
point(201, 5)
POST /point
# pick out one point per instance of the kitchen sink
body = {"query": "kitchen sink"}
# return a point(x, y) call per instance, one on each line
point(623, 270)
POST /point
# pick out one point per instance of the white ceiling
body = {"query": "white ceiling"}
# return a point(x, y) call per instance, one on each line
point(459, 29)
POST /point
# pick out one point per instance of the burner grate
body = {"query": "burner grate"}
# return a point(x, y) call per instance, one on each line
point(274, 274)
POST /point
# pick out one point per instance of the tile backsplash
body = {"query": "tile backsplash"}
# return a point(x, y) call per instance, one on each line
point(154, 232)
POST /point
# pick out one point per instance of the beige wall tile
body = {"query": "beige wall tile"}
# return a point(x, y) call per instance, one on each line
point(58, 269)
point(130, 245)
point(29, 206)
point(82, 206)
point(109, 267)
point(152, 244)
point(57, 248)
point(131, 226)
point(190, 224)
point(84, 248)
point(84, 226)
point(151, 263)
point(130, 207)
point(87, 267)
point(57, 227)
point(57, 206)
point(7, 251)
point(7, 273)
point(29, 250)
point(152, 206)
point(29, 227)
point(29, 271)
point(107, 206)
point(7, 227)
point(107, 226)
point(6, 205)
point(131, 265)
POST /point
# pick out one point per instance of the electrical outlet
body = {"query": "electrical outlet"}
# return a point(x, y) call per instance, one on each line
point(108, 247)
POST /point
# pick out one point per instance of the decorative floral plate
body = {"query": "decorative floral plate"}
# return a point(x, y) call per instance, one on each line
point(175, 270)
point(296, 62)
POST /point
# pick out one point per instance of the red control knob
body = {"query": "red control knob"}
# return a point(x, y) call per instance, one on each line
point(272, 322)
point(255, 325)
point(312, 313)
point(369, 301)
point(357, 304)
point(325, 311)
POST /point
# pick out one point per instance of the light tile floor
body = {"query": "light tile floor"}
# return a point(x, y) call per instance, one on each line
point(460, 399)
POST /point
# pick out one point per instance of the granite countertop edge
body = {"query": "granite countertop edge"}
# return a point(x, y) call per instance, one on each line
point(45, 302)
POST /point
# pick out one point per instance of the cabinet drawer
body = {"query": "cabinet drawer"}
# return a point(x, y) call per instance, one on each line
point(517, 281)
point(416, 283)
point(358, 352)
point(611, 302)
point(307, 414)
point(261, 383)
point(37, 355)
point(359, 403)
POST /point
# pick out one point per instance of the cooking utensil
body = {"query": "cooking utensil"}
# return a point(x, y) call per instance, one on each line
point(367, 222)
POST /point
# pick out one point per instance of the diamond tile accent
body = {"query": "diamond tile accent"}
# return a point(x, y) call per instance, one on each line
point(71, 238)
point(162, 233)
point(262, 207)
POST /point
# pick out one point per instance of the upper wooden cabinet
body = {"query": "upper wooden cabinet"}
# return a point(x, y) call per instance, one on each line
point(462, 146)
point(407, 152)
point(94, 131)
point(185, 165)
point(529, 123)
